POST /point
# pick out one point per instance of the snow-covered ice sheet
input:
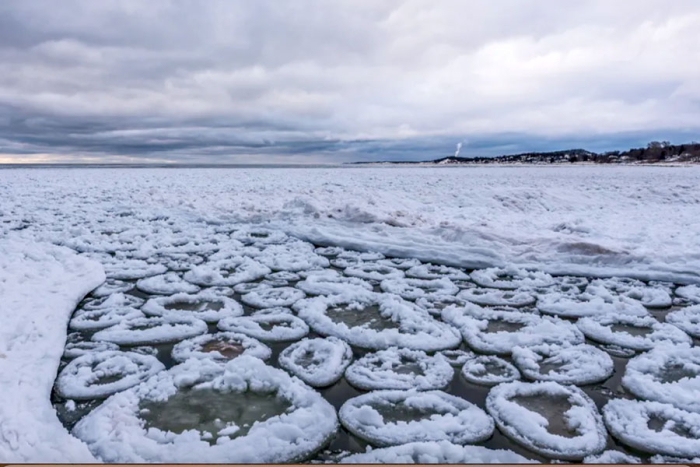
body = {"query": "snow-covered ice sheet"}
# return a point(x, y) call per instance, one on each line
point(40, 286)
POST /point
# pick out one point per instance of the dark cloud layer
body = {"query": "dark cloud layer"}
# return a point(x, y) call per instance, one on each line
point(317, 81)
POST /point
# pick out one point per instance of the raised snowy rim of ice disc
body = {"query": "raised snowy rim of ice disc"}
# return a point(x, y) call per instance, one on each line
point(329, 282)
point(511, 278)
point(374, 271)
point(529, 428)
point(81, 378)
point(686, 319)
point(570, 364)
point(400, 368)
point(651, 376)
point(152, 330)
point(412, 289)
point(489, 370)
point(440, 452)
point(227, 272)
point(318, 362)
point(496, 297)
point(675, 431)
point(594, 301)
point(442, 417)
point(228, 306)
point(166, 284)
point(414, 327)
point(115, 433)
point(114, 300)
point(474, 322)
point(273, 297)
point(283, 326)
point(599, 328)
point(689, 292)
point(195, 347)
point(86, 320)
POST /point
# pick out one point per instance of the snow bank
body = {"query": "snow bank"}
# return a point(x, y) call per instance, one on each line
point(40, 286)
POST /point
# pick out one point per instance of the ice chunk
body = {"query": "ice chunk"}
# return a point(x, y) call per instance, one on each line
point(436, 271)
point(386, 418)
point(632, 332)
point(570, 364)
point(491, 297)
point(412, 289)
point(267, 327)
point(98, 375)
point(686, 319)
point(166, 284)
point(206, 305)
point(222, 346)
point(689, 292)
point(101, 318)
point(373, 271)
point(511, 278)
point(654, 427)
point(397, 368)
point(488, 370)
point(273, 297)
point(317, 362)
point(227, 273)
point(559, 422)
point(152, 330)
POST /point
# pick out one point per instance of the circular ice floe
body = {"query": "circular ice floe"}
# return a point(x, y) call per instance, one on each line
point(246, 287)
point(113, 301)
point(399, 263)
point(278, 296)
point(112, 286)
point(166, 284)
point(588, 304)
point(377, 321)
point(511, 278)
point(78, 349)
point(332, 283)
point(98, 375)
point(488, 370)
point(180, 262)
point(259, 235)
point(268, 327)
point(689, 292)
point(411, 289)
point(222, 346)
point(633, 332)
point(152, 330)
point(457, 358)
point(292, 258)
point(654, 427)
point(440, 452)
point(132, 269)
point(285, 276)
point(491, 297)
point(556, 421)
point(497, 332)
point(272, 311)
point(204, 412)
point(436, 271)
point(576, 364)
point(207, 306)
point(227, 273)
point(387, 418)
point(397, 368)
point(650, 297)
point(102, 317)
point(686, 319)
point(317, 362)
point(669, 374)
point(374, 271)
point(329, 251)
point(434, 304)
point(617, 351)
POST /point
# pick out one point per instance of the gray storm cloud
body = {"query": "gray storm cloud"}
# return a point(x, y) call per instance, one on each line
point(237, 81)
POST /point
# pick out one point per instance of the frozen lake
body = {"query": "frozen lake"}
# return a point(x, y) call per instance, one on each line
point(296, 309)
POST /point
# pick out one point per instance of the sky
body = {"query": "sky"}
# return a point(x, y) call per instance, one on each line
point(318, 81)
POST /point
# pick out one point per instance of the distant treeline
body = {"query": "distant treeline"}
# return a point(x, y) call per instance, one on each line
point(655, 152)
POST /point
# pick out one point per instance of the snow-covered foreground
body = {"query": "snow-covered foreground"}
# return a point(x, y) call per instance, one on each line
point(267, 315)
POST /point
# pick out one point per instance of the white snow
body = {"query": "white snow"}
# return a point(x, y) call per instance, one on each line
point(491, 297)
point(528, 427)
point(374, 271)
point(435, 416)
point(329, 282)
point(112, 286)
point(40, 286)
point(611, 457)
point(102, 317)
point(669, 374)
point(118, 299)
point(412, 289)
point(511, 278)
point(227, 272)
point(398, 368)
point(436, 271)
point(115, 433)
point(441, 452)
point(207, 305)
point(317, 362)
point(675, 432)
point(689, 292)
